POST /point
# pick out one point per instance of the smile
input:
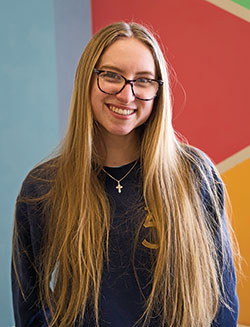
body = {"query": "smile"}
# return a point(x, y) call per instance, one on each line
point(124, 112)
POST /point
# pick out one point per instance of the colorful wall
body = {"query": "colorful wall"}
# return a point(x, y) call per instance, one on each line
point(41, 42)
point(28, 106)
point(207, 45)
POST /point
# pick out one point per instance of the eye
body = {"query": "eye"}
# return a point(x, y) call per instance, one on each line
point(111, 77)
point(143, 82)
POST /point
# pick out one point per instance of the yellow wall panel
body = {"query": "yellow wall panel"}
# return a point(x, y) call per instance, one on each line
point(237, 181)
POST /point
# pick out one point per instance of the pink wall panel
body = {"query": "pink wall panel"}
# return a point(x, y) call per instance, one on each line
point(209, 49)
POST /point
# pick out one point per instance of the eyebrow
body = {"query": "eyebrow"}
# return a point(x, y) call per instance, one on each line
point(120, 71)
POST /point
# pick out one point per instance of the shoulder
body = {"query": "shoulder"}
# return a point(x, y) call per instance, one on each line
point(33, 202)
point(198, 159)
point(39, 180)
point(201, 165)
point(206, 178)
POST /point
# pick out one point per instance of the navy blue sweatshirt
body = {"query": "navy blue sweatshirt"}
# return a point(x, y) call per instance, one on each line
point(121, 299)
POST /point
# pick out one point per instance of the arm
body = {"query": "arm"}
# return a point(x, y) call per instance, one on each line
point(227, 314)
point(24, 273)
point(211, 186)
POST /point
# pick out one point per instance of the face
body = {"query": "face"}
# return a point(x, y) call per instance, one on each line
point(122, 113)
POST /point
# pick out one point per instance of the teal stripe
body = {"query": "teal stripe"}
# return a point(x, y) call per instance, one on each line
point(29, 115)
point(243, 3)
point(73, 31)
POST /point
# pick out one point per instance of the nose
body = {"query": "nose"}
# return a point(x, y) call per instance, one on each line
point(126, 95)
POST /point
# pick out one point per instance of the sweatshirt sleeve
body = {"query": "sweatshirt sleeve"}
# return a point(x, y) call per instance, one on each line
point(227, 314)
point(25, 266)
point(228, 310)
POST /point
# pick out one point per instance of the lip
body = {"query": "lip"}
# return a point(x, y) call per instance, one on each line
point(115, 108)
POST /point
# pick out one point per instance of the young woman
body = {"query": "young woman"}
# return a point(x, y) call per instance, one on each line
point(125, 225)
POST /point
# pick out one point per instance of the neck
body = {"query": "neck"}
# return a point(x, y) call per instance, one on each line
point(120, 149)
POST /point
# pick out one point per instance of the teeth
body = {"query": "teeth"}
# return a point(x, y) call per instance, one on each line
point(120, 111)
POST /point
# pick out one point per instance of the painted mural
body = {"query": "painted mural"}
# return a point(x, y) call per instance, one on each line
point(208, 49)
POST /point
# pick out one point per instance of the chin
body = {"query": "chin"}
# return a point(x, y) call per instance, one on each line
point(118, 131)
point(121, 133)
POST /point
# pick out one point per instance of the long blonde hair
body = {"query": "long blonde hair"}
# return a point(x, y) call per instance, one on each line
point(186, 274)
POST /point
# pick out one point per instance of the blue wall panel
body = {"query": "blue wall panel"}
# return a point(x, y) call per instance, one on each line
point(41, 43)
point(28, 111)
point(73, 31)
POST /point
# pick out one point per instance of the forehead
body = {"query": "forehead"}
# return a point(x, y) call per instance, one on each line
point(128, 55)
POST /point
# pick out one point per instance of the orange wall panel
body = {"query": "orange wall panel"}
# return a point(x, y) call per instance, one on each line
point(237, 181)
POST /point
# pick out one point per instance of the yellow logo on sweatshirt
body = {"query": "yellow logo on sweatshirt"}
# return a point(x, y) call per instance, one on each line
point(149, 223)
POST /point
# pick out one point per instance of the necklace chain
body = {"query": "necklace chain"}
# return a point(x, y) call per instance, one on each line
point(119, 186)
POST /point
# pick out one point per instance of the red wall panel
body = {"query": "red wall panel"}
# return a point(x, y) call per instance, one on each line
point(209, 50)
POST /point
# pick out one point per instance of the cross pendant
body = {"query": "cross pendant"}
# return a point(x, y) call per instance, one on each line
point(119, 187)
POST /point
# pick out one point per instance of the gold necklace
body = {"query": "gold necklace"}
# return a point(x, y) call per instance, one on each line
point(119, 186)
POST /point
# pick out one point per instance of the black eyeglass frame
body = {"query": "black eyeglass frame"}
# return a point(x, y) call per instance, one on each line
point(128, 81)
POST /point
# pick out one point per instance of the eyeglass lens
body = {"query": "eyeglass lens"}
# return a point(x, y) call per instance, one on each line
point(113, 83)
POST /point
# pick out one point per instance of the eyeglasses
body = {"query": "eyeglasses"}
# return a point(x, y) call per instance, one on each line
point(145, 89)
